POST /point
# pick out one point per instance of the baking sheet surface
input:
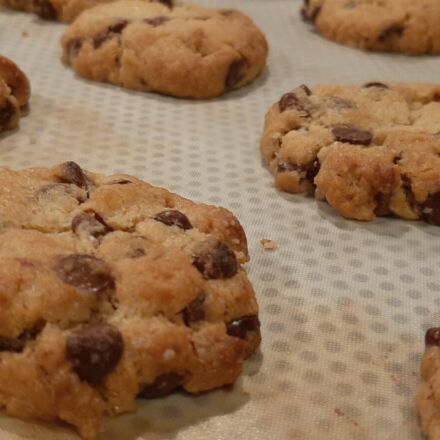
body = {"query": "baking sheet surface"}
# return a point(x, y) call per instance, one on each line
point(344, 305)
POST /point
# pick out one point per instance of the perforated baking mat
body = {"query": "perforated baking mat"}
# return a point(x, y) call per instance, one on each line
point(344, 305)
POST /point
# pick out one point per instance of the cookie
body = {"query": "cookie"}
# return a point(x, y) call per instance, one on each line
point(186, 51)
point(371, 150)
point(428, 394)
point(14, 94)
point(61, 10)
point(406, 26)
point(112, 289)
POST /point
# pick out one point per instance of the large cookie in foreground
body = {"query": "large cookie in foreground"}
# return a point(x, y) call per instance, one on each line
point(405, 26)
point(15, 92)
point(112, 289)
point(61, 10)
point(369, 150)
point(186, 51)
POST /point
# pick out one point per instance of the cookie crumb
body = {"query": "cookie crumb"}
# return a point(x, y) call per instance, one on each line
point(269, 245)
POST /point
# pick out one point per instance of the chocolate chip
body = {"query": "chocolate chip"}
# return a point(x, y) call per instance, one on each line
point(109, 33)
point(215, 260)
point(352, 135)
point(240, 327)
point(195, 311)
point(375, 84)
point(17, 345)
point(45, 9)
point(72, 173)
point(394, 30)
point(236, 73)
point(120, 182)
point(91, 223)
point(7, 113)
point(173, 218)
point(156, 21)
point(431, 209)
point(162, 386)
point(291, 101)
point(306, 89)
point(382, 204)
point(432, 336)
point(118, 27)
point(168, 3)
point(313, 170)
point(87, 273)
point(95, 351)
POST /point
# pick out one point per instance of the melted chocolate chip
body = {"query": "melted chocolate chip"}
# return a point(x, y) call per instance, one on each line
point(236, 73)
point(393, 31)
point(431, 209)
point(162, 386)
point(432, 336)
point(215, 260)
point(306, 89)
point(168, 3)
point(240, 327)
point(195, 310)
point(72, 173)
point(375, 84)
point(120, 182)
point(291, 101)
point(156, 21)
point(311, 169)
point(352, 135)
point(94, 351)
point(118, 27)
point(87, 273)
point(91, 223)
point(173, 218)
point(110, 32)
point(7, 113)
point(382, 204)
point(45, 10)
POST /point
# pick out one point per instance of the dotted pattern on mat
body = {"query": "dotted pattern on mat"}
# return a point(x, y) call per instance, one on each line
point(344, 305)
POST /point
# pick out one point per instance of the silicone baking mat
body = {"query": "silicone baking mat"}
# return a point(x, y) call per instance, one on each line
point(344, 305)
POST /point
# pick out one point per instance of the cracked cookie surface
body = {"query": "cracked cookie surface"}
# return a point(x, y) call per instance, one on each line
point(61, 10)
point(405, 26)
point(186, 51)
point(428, 393)
point(370, 150)
point(14, 94)
point(112, 289)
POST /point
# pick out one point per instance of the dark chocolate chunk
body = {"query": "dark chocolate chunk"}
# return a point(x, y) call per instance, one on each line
point(17, 345)
point(240, 327)
point(382, 204)
point(7, 113)
point(195, 310)
point(156, 21)
point(112, 31)
point(173, 218)
point(431, 209)
point(94, 351)
point(352, 135)
point(432, 336)
point(292, 101)
point(87, 273)
point(393, 31)
point(72, 173)
point(215, 260)
point(91, 223)
point(236, 72)
point(45, 9)
point(375, 84)
point(162, 386)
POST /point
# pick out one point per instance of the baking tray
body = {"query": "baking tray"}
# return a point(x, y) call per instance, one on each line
point(344, 305)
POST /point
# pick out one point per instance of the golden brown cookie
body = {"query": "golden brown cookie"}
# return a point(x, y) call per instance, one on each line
point(112, 289)
point(14, 94)
point(61, 10)
point(406, 26)
point(186, 51)
point(369, 150)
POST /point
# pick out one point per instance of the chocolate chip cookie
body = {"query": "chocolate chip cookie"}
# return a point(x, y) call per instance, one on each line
point(428, 395)
point(14, 94)
point(406, 26)
point(370, 150)
point(112, 290)
point(61, 10)
point(186, 51)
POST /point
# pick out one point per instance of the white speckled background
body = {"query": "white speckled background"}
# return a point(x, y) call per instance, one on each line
point(344, 305)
